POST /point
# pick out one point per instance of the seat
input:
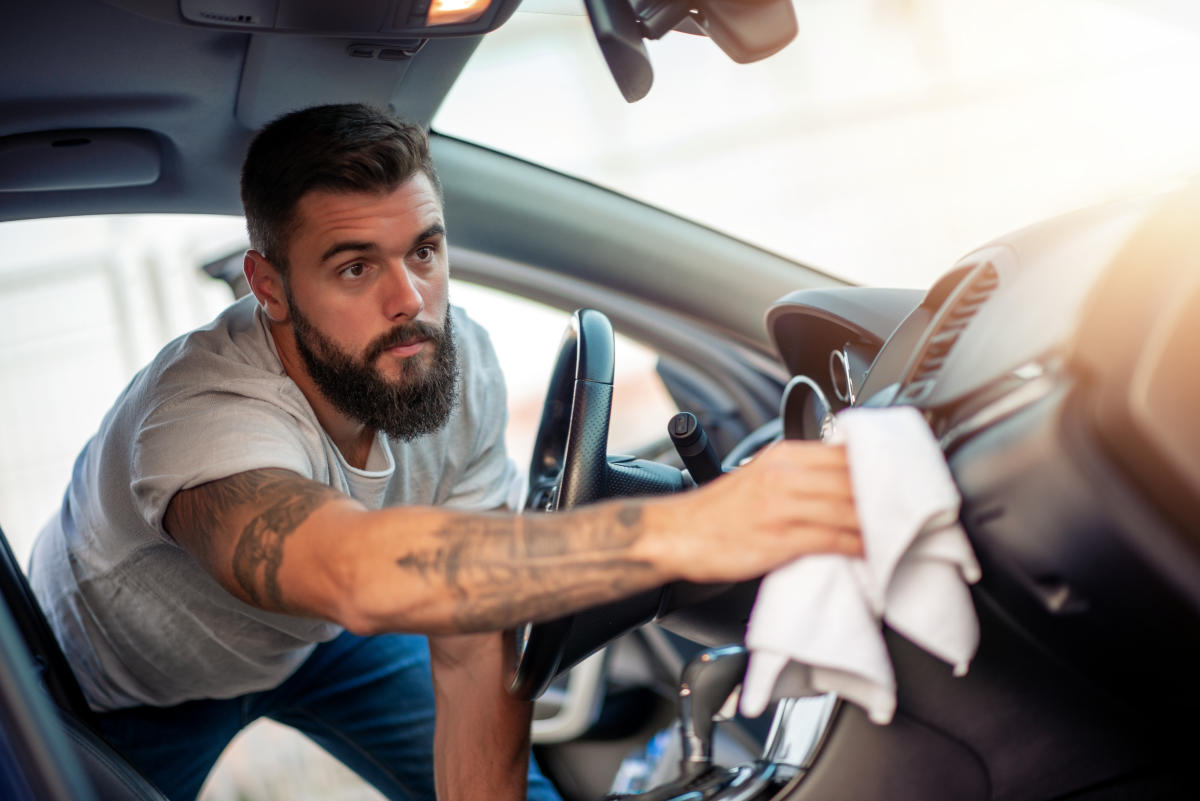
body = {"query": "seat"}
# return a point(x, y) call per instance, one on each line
point(47, 656)
point(110, 774)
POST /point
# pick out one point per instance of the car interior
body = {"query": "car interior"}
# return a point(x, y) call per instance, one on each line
point(1055, 365)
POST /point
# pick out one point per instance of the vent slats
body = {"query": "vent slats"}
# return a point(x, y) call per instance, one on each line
point(951, 326)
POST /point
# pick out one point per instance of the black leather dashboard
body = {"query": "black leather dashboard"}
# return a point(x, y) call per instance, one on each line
point(1057, 366)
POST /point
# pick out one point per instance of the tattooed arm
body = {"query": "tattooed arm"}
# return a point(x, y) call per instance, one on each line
point(237, 527)
point(285, 543)
point(408, 568)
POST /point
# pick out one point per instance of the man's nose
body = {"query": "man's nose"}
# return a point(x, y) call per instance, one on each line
point(402, 297)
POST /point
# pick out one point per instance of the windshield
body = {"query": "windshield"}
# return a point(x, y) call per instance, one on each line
point(890, 138)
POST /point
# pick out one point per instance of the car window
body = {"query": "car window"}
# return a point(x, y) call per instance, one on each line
point(886, 141)
point(86, 302)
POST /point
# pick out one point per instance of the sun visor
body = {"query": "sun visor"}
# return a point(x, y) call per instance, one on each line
point(286, 73)
point(79, 159)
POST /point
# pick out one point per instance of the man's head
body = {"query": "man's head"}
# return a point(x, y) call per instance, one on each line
point(341, 148)
point(349, 262)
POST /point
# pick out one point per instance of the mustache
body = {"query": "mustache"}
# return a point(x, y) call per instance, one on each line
point(406, 332)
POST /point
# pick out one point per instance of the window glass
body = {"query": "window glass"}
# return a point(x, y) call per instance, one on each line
point(86, 301)
point(888, 139)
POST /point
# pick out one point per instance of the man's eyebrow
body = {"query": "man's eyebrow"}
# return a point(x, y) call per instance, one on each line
point(437, 229)
point(342, 247)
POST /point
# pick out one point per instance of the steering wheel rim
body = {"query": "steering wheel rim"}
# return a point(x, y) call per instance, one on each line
point(567, 469)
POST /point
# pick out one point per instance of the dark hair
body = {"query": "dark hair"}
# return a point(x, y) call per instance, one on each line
point(340, 148)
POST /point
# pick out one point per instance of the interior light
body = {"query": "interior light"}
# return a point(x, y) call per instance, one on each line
point(453, 12)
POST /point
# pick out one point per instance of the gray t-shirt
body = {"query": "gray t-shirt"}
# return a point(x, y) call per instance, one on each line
point(139, 620)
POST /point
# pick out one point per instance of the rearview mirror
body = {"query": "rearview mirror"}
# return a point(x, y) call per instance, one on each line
point(747, 30)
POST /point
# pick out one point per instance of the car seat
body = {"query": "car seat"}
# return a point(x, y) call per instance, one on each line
point(110, 774)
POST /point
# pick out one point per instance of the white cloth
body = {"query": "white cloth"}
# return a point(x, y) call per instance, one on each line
point(815, 626)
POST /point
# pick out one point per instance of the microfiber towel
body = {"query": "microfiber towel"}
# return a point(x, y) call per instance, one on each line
point(816, 624)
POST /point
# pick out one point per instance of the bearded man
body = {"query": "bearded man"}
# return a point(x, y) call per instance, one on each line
point(292, 512)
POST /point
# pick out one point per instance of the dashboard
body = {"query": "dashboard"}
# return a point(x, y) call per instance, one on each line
point(1012, 303)
point(1057, 367)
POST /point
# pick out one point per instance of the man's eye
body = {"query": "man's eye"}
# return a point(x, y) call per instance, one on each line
point(355, 270)
point(425, 252)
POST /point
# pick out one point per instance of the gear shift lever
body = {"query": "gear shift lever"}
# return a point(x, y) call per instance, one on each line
point(705, 685)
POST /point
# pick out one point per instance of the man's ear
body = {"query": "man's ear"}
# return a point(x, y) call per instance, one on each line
point(266, 283)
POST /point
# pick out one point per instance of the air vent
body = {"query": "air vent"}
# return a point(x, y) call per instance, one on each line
point(979, 287)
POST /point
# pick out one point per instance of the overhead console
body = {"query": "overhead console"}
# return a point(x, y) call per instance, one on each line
point(378, 20)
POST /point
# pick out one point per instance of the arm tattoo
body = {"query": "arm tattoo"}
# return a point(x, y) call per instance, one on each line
point(502, 570)
point(282, 501)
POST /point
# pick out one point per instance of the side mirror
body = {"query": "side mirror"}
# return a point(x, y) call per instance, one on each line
point(747, 30)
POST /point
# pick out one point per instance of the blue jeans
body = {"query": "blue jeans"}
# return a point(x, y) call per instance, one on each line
point(368, 701)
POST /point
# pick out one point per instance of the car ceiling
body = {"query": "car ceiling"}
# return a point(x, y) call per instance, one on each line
point(84, 64)
point(196, 96)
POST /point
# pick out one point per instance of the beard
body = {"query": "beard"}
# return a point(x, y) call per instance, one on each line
point(419, 402)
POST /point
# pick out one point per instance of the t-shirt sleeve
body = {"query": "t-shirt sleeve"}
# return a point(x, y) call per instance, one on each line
point(205, 437)
point(490, 478)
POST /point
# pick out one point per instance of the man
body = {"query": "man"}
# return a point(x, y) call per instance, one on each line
point(279, 493)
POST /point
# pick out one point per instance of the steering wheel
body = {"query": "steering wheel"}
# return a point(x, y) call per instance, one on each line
point(570, 467)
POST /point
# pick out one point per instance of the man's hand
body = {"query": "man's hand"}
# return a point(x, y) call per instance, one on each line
point(794, 499)
point(481, 744)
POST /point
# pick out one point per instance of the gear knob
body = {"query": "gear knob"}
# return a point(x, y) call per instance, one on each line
point(706, 683)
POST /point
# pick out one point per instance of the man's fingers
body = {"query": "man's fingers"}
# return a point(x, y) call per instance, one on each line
point(809, 455)
point(850, 544)
point(825, 540)
point(817, 513)
point(792, 500)
point(826, 483)
point(803, 467)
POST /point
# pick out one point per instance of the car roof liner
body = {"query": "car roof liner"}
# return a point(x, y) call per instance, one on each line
point(169, 121)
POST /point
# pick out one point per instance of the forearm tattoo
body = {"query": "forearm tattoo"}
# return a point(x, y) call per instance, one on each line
point(498, 569)
point(282, 501)
point(502, 569)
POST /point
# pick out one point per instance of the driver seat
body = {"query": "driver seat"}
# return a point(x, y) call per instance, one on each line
point(111, 775)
